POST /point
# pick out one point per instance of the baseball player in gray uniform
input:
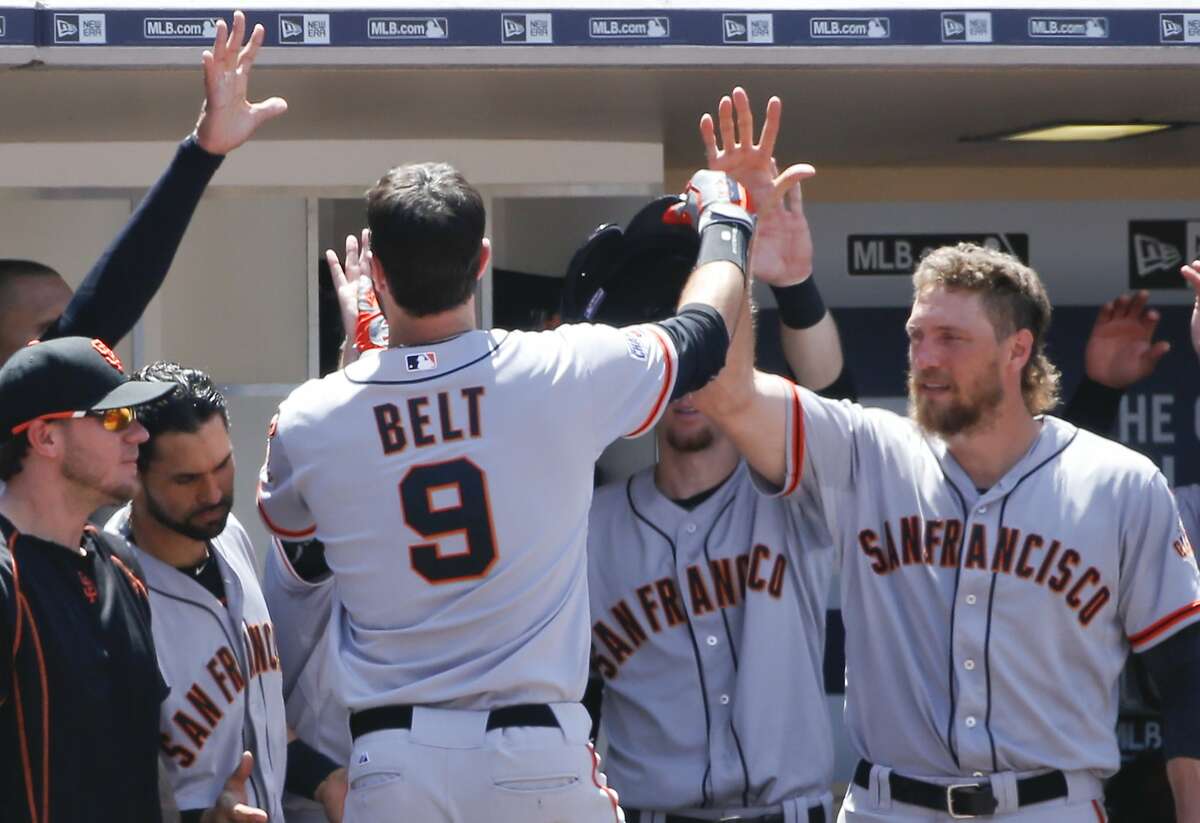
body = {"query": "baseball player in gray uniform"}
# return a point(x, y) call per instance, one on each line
point(997, 564)
point(708, 599)
point(459, 632)
point(217, 645)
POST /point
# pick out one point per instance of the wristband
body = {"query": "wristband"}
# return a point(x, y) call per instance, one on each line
point(307, 769)
point(800, 306)
point(728, 242)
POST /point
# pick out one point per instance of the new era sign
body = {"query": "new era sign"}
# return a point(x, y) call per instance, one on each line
point(1157, 248)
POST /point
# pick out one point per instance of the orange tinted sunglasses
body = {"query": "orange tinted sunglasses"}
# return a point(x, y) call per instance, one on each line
point(113, 420)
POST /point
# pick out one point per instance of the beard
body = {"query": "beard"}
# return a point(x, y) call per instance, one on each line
point(963, 409)
point(186, 525)
point(80, 469)
point(696, 441)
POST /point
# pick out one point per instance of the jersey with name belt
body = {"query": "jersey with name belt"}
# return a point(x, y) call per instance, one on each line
point(221, 662)
point(300, 610)
point(708, 627)
point(450, 486)
point(986, 631)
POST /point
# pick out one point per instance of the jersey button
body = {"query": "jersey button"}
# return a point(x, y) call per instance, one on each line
point(711, 640)
point(970, 722)
point(969, 665)
point(690, 528)
point(724, 700)
point(970, 600)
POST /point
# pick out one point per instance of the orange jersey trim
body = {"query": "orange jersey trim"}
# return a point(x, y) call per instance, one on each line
point(12, 545)
point(1168, 622)
point(279, 530)
point(668, 382)
point(1099, 812)
point(612, 796)
point(41, 662)
point(797, 444)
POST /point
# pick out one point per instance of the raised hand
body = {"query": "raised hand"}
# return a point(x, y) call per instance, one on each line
point(1121, 350)
point(231, 805)
point(228, 118)
point(1191, 273)
point(739, 156)
point(347, 281)
point(781, 253)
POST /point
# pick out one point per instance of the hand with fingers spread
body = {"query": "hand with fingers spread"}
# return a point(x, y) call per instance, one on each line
point(362, 321)
point(750, 163)
point(228, 118)
point(1121, 349)
point(781, 253)
point(231, 805)
point(1191, 273)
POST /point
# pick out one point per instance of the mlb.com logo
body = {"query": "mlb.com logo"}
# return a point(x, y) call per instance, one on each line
point(966, 27)
point(1179, 28)
point(180, 28)
point(526, 29)
point(421, 361)
point(644, 28)
point(408, 28)
point(870, 28)
point(304, 29)
point(79, 28)
point(748, 28)
point(1082, 28)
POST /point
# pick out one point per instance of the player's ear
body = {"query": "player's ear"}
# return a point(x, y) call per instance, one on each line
point(1020, 348)
point(46, 439)
point(485, 257)
point(378, 278)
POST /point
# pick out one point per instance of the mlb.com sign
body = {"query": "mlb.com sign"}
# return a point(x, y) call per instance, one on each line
point(871, 28)
point(638, 27)
point(180, 28)
point(408, 28)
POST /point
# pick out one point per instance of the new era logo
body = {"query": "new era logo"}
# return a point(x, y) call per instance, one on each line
point(966, 27)
point(79, 28)
point(421, 361)
point(535, 29)
point(1154, 255)
point(1179, 28)
point(1157, 248)
point(304, 29)
point(2, 27)
point(748, 28)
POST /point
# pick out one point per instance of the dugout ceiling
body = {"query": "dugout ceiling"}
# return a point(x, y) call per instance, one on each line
point(885, 86)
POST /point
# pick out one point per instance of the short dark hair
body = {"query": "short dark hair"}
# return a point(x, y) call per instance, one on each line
point(427, 227)
point(193, 403)
point(12, 456)
point(12, 268)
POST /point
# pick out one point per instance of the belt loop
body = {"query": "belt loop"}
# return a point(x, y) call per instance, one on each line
point(1004, 788)
point(795, 810)
point(881, 787)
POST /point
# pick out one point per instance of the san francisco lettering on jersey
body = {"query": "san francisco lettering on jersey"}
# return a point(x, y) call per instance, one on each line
point(1028, 556)
point(423, 421)
point(720, 584)
point(229, 680)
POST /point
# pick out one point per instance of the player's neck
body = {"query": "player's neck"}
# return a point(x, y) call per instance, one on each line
point(163, 543)
point(680, 475)
point(405, 329)
point(987, 453)
point(46, 510)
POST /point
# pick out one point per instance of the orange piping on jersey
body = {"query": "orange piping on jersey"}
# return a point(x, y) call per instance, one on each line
point(668, 382)
point(1099, 813)
point(287, 564)
point(797, 457)
point(12, 545)
point(309, 532)
point(1145, 636)
point(17, 703)
point(612, 796)
point(41, 662)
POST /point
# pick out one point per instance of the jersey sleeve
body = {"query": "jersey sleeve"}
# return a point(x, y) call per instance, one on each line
point(1160, 584)
point(280, 504)
point(1188, 500)
point(628, 375)
point(300, 610)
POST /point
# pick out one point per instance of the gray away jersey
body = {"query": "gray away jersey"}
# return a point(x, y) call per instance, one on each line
point(450, 484)
point(221, 663)
point(708, 627)
point(1188, 500)
point(986, 632)
point(301, 612)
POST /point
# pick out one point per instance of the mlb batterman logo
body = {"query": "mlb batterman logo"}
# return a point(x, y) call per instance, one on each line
point(421, 361)
point(635, 341)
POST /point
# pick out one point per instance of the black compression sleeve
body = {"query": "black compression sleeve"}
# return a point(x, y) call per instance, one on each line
point(307, 769)
point(1175, 666)
point(126, 277)
point(701, 341)
point(307, 558)
point(1093, 406)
